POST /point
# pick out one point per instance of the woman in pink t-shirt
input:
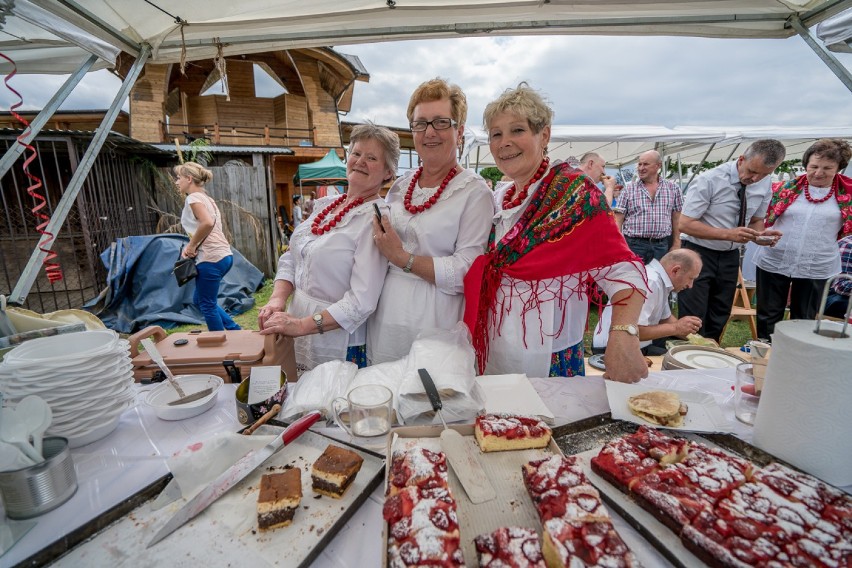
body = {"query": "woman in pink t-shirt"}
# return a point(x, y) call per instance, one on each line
point(207, 243)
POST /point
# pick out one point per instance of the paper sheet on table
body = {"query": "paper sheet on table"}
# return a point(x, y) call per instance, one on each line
point(704, 414)
point(200, 463)
point(513, 394)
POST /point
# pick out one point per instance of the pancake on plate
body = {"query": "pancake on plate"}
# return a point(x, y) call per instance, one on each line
point(663, 408)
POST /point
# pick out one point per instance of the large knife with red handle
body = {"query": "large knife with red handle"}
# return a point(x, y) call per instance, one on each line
point(234, 474)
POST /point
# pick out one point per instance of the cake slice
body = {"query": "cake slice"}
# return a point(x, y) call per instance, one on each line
point(279, 497)
point(501, 432)
point(334, 471)
point(509, 547)
point(417, 467)
point(570, 544)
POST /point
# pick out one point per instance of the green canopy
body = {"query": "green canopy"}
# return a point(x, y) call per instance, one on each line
point(328, 171)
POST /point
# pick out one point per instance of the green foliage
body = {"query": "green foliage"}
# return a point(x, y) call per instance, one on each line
point(491, 173)
point(198, 151)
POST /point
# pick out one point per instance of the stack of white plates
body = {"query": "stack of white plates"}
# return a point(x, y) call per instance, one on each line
point(85, 377)
point(700, 357)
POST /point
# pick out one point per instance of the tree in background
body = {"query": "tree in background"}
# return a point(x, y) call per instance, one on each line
point(492, 173)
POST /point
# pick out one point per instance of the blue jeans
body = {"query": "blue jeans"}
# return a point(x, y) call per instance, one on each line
point(647, 249)
point(210, 274)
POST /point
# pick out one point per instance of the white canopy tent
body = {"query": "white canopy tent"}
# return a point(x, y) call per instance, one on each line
point(96, 31)
point(621, 145)
point(200, 26)
point(836, 32)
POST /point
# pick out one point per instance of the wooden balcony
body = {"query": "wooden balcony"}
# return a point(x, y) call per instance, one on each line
point(234, 135)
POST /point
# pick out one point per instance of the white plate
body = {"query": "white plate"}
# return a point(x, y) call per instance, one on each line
point(701, 359)
point(704, 414)
point(58, 348)
point(513, 394)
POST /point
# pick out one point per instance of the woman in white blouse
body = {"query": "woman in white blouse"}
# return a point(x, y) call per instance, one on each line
point(439, 221)
point(812, 212)
point(527, 298)
point(332, 271)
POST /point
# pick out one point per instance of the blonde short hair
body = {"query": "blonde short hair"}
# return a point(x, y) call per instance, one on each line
point(523, 101)
point(438, 89)
point(199, 174)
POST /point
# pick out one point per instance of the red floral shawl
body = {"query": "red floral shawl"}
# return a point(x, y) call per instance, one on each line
point(567, 229)
point(784, 194)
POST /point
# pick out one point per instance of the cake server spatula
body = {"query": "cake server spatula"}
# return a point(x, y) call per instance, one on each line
point(233, 475)
point(183, 398)
point(459, 453)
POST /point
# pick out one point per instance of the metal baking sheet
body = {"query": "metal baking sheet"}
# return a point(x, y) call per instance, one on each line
point(226, 533)
point(585, 439)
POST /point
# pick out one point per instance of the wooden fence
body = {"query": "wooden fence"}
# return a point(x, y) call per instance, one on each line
point(241, 192)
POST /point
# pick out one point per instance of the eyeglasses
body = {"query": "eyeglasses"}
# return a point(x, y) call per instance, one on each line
point(437, 124)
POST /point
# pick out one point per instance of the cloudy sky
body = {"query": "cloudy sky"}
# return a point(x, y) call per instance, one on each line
point(664, 81)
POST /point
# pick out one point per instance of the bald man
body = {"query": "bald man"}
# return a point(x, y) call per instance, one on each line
point(648, 210)
point(593, 165)
point(676, 272)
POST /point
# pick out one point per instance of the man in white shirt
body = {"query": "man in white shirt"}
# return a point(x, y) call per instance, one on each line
point(723, 210)
point(675, 272)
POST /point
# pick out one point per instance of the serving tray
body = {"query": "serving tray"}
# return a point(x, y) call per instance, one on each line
point(585, 438)
point(226, 533)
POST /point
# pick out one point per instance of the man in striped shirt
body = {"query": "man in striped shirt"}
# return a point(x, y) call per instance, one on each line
point(648, 210)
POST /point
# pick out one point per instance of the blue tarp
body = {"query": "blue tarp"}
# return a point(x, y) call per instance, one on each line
point(142, 291)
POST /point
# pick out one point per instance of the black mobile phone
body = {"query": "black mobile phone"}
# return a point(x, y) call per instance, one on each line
point(378, 216)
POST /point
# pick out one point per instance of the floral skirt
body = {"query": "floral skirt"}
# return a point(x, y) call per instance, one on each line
point(568, 362)
point(358, 354)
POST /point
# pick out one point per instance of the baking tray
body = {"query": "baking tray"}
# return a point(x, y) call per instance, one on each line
point(586, 437)
point(512, 506)
point(226, 533)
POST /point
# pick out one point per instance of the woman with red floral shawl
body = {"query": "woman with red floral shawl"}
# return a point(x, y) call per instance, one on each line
point(526, 299)
point(812, 212)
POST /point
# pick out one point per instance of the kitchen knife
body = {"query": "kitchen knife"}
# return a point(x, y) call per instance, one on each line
point(463, 461)
point(234, 475)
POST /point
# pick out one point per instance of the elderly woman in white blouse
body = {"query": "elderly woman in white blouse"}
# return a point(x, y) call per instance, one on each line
point(332, 273)
point(440, 217)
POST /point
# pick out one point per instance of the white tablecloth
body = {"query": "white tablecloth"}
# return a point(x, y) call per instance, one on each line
point(134, 455)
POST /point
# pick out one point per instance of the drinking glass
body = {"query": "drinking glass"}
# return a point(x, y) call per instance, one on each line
point(745, 397)
point(369, 409)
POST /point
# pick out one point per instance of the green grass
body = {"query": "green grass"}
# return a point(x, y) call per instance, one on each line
point(736, 335)
point(247, 320)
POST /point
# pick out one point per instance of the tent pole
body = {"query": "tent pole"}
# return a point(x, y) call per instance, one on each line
point(695, 173)
point(31, 270)
point(39, 121)
point(827, 57)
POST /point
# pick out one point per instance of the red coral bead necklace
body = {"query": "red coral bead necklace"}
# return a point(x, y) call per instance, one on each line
point(414, 209)
point(318, 229)
point(508, 202)
point(827, 196)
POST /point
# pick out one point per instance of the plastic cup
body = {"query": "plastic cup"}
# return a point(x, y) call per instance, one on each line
point(745, 399)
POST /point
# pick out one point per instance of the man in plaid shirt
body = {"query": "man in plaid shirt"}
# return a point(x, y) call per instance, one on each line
point(841, 290)
point(648, 210)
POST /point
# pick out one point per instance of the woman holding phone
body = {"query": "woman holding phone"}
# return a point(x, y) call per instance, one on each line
point(332, 271)
point(440, 216)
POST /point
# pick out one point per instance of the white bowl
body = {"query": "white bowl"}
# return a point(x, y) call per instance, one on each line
point(68, 348)
point(160, 397)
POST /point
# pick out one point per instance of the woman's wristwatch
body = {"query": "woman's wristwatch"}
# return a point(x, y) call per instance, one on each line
point(409, 264)
point(318, 321)
point(629, 328)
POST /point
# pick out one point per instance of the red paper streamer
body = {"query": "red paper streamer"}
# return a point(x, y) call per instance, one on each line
point(51, 266)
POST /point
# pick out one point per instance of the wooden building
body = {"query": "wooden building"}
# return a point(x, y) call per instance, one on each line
point(227, 110)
